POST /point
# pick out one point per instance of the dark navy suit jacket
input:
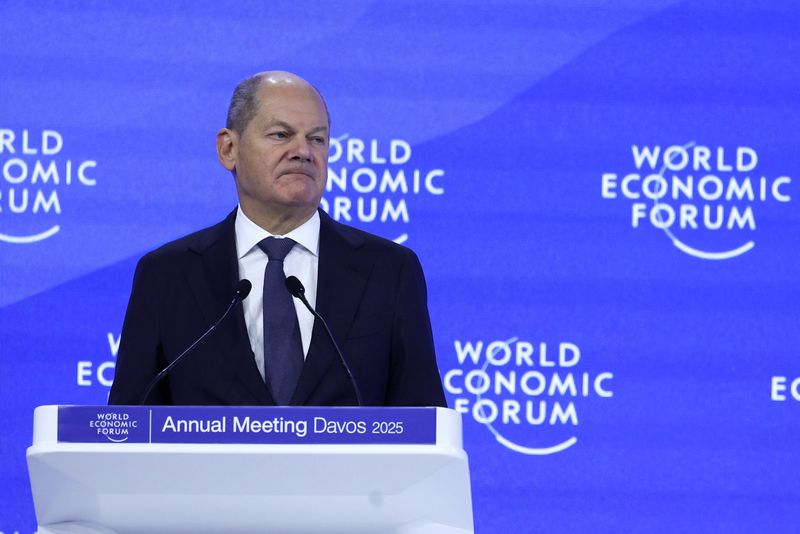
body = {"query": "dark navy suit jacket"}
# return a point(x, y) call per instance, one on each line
point(371, 292)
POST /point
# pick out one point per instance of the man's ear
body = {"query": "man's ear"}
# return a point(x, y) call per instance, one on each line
point(227, 147)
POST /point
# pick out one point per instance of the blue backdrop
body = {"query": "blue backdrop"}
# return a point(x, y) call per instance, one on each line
point(602, 194)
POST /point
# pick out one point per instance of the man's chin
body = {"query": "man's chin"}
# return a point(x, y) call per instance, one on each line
point(302, 200)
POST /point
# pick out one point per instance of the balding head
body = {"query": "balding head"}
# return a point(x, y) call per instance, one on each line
point(245, 100)
point(276, 146)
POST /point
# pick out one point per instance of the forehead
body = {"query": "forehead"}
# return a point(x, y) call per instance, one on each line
point(297, 105)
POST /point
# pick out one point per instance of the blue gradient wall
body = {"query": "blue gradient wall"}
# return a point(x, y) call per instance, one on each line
point(603, 196)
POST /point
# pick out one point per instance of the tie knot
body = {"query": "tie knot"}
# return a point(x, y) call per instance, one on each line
point(276, 249)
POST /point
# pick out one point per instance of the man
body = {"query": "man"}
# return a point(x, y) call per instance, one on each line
point(270, 350)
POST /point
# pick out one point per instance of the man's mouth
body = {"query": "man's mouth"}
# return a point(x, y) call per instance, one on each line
point(302, 172)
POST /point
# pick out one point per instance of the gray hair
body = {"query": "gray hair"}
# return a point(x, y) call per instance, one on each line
point(244, 102)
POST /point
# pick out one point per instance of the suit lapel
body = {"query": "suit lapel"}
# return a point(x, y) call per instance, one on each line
point(213, 285)
point(341, 279)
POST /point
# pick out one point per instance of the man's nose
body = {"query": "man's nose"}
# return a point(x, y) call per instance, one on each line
point(301, 149)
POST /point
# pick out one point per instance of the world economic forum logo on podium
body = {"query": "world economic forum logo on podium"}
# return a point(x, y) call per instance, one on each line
point(704, 199)
point(93, 424)
point(530, 396)
point(36, 176)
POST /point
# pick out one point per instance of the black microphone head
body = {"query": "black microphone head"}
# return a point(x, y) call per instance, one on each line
point(295, 286)
point(243, 288)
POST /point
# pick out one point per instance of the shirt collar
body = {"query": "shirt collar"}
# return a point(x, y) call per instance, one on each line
point(249, 234)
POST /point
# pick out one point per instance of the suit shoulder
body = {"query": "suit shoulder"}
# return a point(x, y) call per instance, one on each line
point(188, 244)
point(372, 243)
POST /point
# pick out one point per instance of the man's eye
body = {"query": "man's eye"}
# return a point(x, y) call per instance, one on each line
point(318, 140)
point(279, 135)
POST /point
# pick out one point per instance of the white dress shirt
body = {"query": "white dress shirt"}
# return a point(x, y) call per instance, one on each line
point(302, 262)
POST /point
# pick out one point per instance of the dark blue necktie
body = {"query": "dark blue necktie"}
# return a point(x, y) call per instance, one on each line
point(283, 349)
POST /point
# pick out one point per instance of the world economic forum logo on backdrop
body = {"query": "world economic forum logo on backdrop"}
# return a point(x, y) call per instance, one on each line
point(530, 395)
point(376, 181)
point(36, 180)
point(705, 199)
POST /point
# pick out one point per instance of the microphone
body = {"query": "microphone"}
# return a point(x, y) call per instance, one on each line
point(240, 293)
point(295, 287)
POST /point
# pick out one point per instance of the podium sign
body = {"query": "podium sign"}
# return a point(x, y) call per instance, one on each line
point(277, 425)
point(170, 469)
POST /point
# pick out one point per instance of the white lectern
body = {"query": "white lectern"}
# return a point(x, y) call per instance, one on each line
point(159, 469)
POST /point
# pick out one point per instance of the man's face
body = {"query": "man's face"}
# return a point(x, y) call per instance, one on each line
point(280, 160)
